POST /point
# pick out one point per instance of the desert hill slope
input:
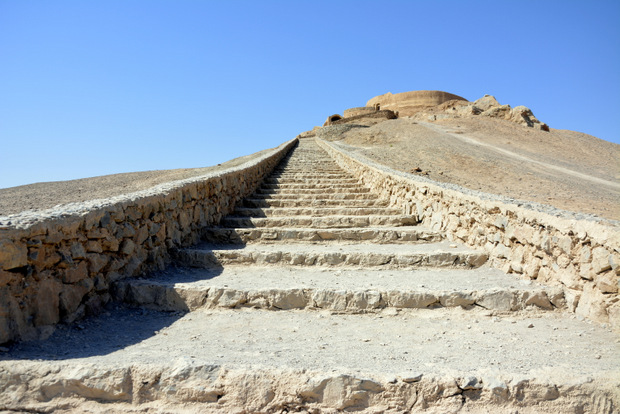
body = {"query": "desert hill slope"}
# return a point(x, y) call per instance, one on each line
point(565, 169)
point(486, 146)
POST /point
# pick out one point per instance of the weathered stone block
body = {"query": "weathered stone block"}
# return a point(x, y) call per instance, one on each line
point(600, 260)
point(454, 299)
point(13, 254)
point(94, 246)
point(500, 300)
point(110, 244)
point(6, 278)
point(47, 303)
point(97, 262)
point(592, 304)
point(607, 282)
point(75, 273)
point(77, 251)
point(70, 298)
point(142, 234)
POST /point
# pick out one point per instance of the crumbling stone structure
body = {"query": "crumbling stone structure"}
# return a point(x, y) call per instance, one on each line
point(410, 103)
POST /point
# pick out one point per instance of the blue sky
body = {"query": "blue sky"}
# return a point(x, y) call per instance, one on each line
point(90, 88)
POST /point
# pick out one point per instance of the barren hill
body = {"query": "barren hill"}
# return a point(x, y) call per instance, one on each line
point(565, 169)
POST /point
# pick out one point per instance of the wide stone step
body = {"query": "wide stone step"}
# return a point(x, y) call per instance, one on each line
point(267, 202)
point(181, 289)
point(321, 222)
point(310, 174)
point(324, 196)
point(381, 235)
point(335, 185)
point(314, 179)
point(357, 189)
point(308, 164)
point(247, 360)
point(315, 211)
point(313, 170)
point(412, 256)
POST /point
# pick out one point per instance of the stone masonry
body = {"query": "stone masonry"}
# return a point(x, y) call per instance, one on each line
point(57, 265)
point(580, 256)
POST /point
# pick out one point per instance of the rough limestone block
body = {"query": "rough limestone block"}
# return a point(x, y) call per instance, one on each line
point(70, 298)
point(47, 311)
point(75, 273)
point(499, 300)
point(592, 304)
point(607, 282)
point(13, 254)
point(600, 260)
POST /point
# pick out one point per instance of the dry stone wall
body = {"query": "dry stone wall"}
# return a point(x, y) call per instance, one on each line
point(57, 265)
point(538, 242)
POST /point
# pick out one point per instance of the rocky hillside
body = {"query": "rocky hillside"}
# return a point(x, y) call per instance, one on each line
point(490, 147)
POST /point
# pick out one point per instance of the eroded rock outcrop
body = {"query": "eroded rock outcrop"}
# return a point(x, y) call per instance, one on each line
point(485, 106)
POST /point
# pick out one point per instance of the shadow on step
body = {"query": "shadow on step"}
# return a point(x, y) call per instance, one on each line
point(117, 328)
point(126, 322)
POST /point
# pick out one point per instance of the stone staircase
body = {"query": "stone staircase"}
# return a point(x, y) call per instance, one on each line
point(316, 296)
point(340, 255)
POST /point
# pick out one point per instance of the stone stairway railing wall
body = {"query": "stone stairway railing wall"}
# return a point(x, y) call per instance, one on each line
point(582, 256)
point(56, 265)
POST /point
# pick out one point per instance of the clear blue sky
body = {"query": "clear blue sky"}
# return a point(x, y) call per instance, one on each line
point(100, 87)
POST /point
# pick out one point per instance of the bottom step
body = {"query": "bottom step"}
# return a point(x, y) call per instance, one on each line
point(335, 290)
point(437, 361)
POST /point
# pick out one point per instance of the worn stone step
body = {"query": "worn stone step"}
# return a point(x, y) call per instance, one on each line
point(247, 360)
point(310, 164)
point(335, 221)
point(299, 161)
point(324, 196)
point(311, 174)
point(315, 211)
point(313, 170)
point(267, 202)
point(313, 186)
point(440, 254)
point(313, 191)
point(381, 235)
point(316, 179)
point(182, 289)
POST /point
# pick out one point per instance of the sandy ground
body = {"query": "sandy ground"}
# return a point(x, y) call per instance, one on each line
point(566, 169)
point(41, 196)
